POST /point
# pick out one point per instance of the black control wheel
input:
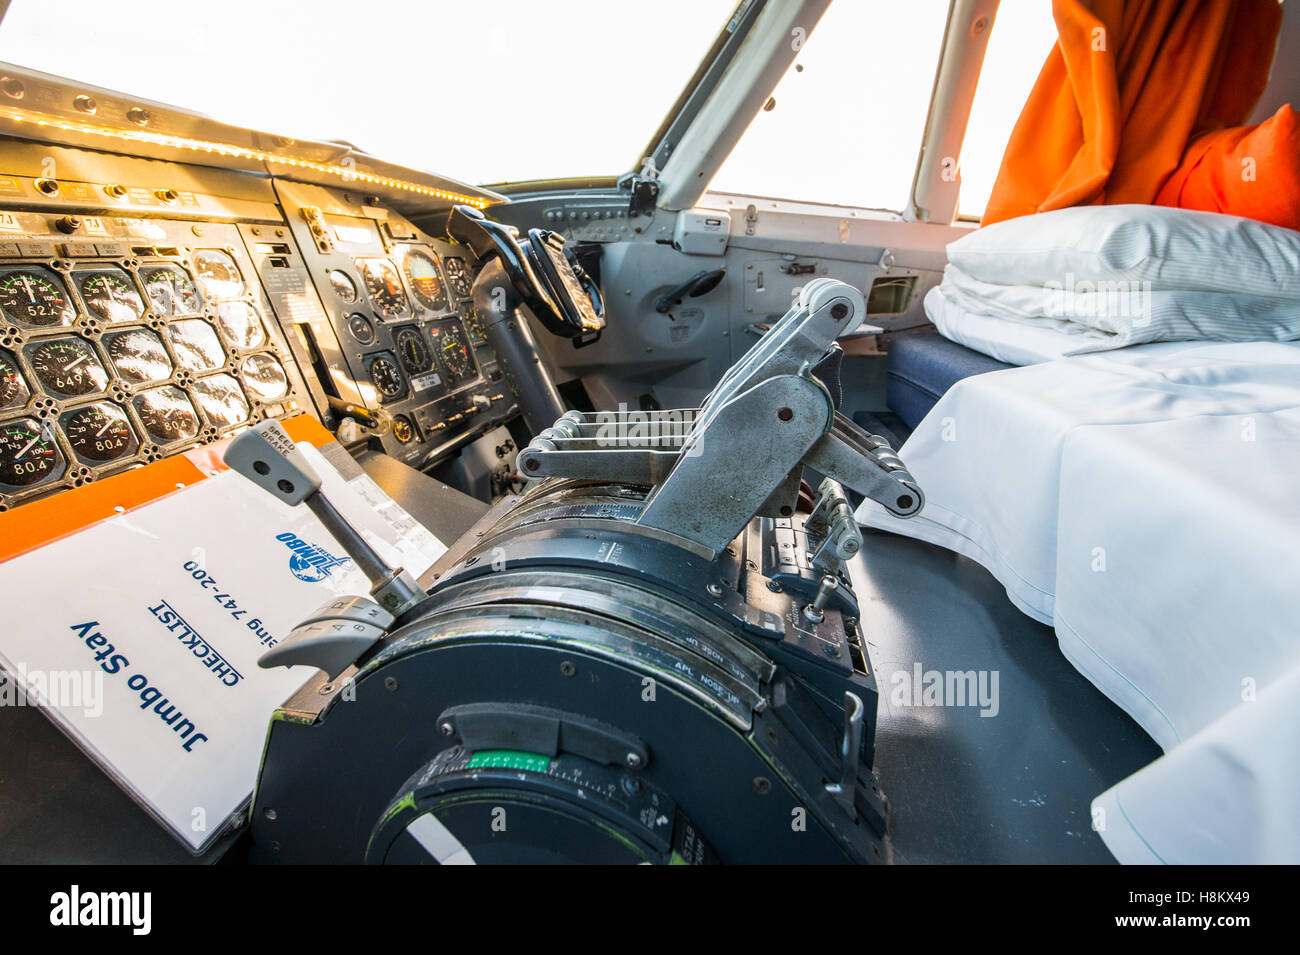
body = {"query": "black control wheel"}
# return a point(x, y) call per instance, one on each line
point(542, 269)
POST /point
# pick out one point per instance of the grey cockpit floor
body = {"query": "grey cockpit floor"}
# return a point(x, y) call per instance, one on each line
point(1006, 788)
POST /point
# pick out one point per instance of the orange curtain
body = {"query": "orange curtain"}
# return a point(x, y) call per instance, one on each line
point(1129, 84)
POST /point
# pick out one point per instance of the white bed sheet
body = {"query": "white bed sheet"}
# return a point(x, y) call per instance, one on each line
point(1145, 504)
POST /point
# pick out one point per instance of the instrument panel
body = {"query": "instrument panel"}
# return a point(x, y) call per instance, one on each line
point(398, 307)
point(119, 351)
point(127, 335)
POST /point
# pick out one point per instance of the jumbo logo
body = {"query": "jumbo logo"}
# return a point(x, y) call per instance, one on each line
point(309, 562)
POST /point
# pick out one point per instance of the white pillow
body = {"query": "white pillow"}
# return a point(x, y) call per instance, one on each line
point(1170, 248)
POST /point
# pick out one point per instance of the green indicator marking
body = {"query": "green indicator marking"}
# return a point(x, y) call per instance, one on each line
point(510, 759)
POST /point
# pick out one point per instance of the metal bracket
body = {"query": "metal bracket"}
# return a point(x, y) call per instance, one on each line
point(645, 193)
point(539, 729)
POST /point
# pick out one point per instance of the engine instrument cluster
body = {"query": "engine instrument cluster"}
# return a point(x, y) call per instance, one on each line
point(125, 345)
point(138, 321)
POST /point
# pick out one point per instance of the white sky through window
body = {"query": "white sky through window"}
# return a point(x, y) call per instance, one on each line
point(493, 91)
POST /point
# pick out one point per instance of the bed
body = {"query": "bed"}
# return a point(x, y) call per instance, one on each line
point(1141, 499)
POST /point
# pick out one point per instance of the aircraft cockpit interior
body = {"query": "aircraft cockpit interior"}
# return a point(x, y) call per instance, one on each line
point(759, 432)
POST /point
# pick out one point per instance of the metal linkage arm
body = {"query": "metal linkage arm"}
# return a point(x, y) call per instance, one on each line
point(743, 451)
point(866, 463)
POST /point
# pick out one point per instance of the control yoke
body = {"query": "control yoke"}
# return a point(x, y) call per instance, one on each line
point(743, 451)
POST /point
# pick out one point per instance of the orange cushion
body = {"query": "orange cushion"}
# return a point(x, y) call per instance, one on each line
point(1251, 171)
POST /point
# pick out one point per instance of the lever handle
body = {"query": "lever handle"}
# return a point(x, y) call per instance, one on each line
point(267, 456)
point(701, 283)
point(850, 750)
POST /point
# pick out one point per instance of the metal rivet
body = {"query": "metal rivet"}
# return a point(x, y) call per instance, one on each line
point(762, 785)
point(839, 311)
point(390, 684)
point(445, 728)
point(270, 814)
point(634, 760)
point(567, 668)
point(715, 589)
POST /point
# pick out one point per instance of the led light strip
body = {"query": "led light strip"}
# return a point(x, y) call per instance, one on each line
point(347, 174)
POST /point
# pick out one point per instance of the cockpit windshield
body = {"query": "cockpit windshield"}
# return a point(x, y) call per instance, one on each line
point(473, 89)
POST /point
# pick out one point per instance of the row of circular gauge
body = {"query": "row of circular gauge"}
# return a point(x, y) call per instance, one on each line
point(135, 373)
point(72, 368)
point(102, 432)
point(35, 296)
point(383, 285)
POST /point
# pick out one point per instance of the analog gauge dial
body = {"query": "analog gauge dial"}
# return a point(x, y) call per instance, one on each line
point(403, 430)
point(264, 377)
point(13, 390)
point(383, 287)
point(171, 291)
point(412, 350)
point(343, 285)
point(425, 280)
point(222, 400)
point(139, 355)
point(99, 432)
point(68, 366)
point(28, 453)
point(386, 378)
point(455, 356)
point(35, 297)
point(241, 324)
point(362, 329)
point(196, 345)
point(218, 274)
point(167, 414)
point(458, 275)
point(111, 295)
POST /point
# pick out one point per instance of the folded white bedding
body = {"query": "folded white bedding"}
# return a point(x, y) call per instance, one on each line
point(1143, 502)
point(1014, 342)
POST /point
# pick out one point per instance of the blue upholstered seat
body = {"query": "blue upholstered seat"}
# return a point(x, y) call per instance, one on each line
point(923, 365)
